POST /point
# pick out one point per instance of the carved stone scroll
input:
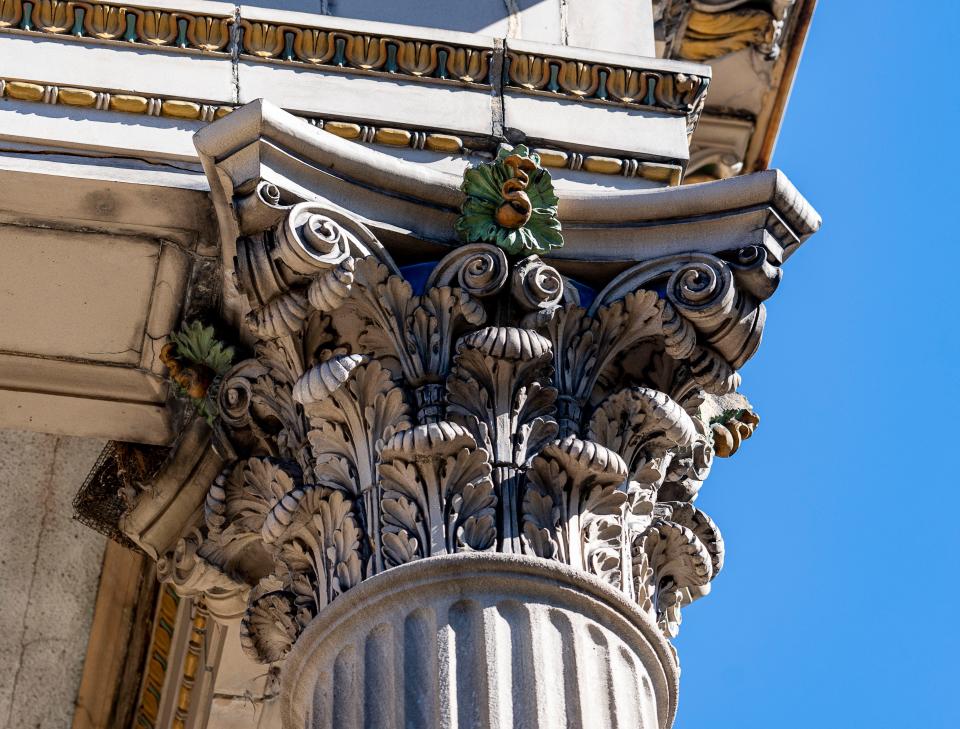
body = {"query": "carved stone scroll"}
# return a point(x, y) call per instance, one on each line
point(470, 403)
point(373, 426)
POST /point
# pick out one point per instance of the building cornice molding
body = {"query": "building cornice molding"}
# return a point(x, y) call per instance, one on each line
point(129, 102)
point(606, 228)
point(417, 55)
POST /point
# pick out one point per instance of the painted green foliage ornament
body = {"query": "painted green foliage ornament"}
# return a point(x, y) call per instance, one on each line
point(510, 202)
point(196, 360)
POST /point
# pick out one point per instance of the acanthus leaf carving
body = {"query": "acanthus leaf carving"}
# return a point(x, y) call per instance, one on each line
point(668, 558)
point(410, 334)
point(586, 347)
point(438, 496)
point(495, 393)
point(320, 522)
point(646, 427)
point(353, 409)
point(383, 418)
point(270, 627)
point(573, 506)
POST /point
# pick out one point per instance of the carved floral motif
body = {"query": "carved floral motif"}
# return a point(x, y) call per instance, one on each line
point(196, 360)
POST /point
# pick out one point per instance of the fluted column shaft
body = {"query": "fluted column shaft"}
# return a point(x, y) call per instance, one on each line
point(475, 641)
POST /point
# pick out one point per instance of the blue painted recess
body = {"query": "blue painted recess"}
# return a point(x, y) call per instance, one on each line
point(417, 274)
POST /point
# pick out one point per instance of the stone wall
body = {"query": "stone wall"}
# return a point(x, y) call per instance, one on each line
point(49, 572)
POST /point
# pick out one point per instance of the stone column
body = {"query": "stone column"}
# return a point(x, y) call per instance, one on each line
point(481, 640)
point(458, 492)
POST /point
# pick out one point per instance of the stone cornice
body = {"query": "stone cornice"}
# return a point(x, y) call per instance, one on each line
point(414, 54)
point(129, 102)
point(603, 228)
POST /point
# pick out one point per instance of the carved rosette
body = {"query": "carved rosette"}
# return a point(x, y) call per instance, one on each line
point(377, 421)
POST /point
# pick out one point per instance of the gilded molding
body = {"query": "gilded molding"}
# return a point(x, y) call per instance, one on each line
point(365, 52)
point(553, 158)
point(128, 103)
point(441, 142)
point(711, 35)
point(107, 22)
point(672, 92)
point(191, 664)
point(695, 31)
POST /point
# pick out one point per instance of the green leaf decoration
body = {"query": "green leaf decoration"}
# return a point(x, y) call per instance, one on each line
point(727, 415)
point(200, 357)
point(199, 345)
point(484, 188)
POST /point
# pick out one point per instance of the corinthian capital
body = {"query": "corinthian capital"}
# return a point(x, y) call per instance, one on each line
point(427, 374)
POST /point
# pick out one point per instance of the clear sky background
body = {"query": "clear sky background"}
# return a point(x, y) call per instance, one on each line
point(838, 604)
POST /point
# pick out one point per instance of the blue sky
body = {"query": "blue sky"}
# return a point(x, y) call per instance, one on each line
point(837, 606)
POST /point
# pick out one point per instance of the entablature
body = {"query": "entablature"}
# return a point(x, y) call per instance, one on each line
point(196, 63)
point(182, 64)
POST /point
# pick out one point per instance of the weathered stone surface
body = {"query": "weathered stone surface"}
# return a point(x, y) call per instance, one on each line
point(481, 641)
point(388, 418)
point(80, 320)
point(49, 570)
point(245, 693)
point(93, 277)
point(565, 409)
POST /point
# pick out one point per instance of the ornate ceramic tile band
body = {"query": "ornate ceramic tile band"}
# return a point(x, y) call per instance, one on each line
point(667, 91)
point(663, 90)
point(129, 103)
point(193, 110)
point(99, 21)
point(151, 690)
point(363, 52)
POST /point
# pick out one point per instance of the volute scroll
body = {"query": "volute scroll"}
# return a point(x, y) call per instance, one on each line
point(385, 415)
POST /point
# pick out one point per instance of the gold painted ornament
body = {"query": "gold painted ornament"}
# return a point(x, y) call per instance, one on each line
point(510, 202)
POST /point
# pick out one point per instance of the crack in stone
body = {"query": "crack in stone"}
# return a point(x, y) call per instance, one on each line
point(497, 110)
point(128, 350)
point(513, 18)
point(564, 23)
point(47, 509)
point(236, 31)
point(90, 155)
